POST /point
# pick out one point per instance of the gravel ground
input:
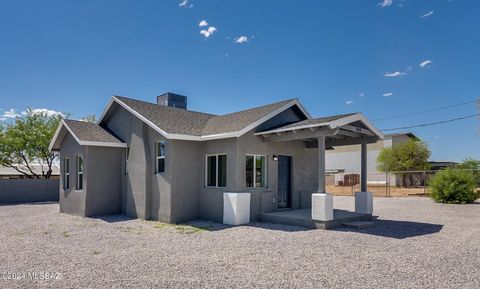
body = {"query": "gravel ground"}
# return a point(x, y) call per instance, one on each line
point(415, 243)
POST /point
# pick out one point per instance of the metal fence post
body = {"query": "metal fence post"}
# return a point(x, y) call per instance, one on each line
point(386, 184)
point(424, 181)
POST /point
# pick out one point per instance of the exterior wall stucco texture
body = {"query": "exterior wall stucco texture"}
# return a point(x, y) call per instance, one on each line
point(72, 201)
point(180, 193)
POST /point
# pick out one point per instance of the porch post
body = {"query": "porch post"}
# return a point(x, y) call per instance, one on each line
point(363, 199)
point(321, 165)
point(363, 178)
point(322, 203)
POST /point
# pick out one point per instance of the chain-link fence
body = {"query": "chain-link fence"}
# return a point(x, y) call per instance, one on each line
point(390, 184)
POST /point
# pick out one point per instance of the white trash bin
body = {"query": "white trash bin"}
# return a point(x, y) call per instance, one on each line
point(236, 208)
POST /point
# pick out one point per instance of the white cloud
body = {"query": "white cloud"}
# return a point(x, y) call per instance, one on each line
point(361, 94)
point(425, 63)
point(348, 102)
point(208, 32)
point(388, 94)
point(385, 3)
point(11, 113)
point(203, 23)
point(241, 39)
point(43, 111)
point(185, 4)
point(430, 13)
point(394, 74)
point(408, 68)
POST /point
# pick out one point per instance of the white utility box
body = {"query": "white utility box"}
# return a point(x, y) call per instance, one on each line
point(236, 208)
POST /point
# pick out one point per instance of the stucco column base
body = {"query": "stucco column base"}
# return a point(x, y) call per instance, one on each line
point(322, 207)
point(364, 203)
point(236, 208)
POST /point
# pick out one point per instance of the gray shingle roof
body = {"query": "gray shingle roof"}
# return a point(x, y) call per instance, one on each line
point(169, 119)
point(181, 121)
point(91, 132)
point(238, 120)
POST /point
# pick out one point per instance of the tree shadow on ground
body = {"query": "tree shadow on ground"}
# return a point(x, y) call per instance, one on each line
point(397, 229)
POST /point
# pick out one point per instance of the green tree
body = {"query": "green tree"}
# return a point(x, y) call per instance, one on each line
point(473, 166)
point(25, 142)
point(90, 118)
point(406, 156)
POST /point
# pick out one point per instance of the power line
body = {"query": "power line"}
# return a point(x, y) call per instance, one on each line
point(425, 111)
point(433, 123)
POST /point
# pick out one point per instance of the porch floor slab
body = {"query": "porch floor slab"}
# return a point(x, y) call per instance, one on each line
point(303, 218)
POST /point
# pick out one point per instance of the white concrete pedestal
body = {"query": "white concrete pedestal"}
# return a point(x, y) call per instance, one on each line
point(236, 208)
point(364, 203)
point(322, 207)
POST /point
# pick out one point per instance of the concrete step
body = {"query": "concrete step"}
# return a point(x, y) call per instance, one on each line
point(359, 224)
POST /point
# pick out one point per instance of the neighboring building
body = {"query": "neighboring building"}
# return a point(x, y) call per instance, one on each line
point(10, 173)
point(441, 165)
point(345, 161)
point(161, 161)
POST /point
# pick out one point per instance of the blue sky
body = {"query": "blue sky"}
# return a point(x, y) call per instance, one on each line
point(335, 56)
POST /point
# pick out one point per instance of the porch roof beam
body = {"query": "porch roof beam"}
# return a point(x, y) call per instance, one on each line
point(348, 133)
point(300, 135)
point(330, 142)
point(357, 129)
point(352, 141)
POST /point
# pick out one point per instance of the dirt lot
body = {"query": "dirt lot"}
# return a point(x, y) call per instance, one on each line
point(378, 191)
point(415, 244)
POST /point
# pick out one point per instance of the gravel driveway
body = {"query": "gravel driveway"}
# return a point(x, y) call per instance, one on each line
point(415, 243)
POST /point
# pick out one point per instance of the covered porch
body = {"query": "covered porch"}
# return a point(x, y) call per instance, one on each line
point(323, 134)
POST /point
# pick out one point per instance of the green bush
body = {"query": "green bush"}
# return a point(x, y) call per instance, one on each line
point(453, 186)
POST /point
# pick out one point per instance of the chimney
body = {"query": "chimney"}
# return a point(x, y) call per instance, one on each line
point(173, 100)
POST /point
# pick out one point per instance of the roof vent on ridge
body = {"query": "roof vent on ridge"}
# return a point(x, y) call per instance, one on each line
point(173, 100)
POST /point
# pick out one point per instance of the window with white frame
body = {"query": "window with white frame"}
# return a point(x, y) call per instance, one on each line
point(127, 153)
point(216, 170)
point(66, 174)
point(256, 171)
point(79, 185)
point(160, 157)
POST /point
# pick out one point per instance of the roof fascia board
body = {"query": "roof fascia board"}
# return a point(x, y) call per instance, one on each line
point(356, 117)
point(55, 136)
point(305, 112)
point(141, 117)
point(103, 144)
point(106, 109)
point(57, 132)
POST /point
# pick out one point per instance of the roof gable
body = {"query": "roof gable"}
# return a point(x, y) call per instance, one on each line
point(177, 123)
point(332, 122)
point(84, 133)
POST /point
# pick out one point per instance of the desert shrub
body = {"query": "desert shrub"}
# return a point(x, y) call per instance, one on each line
point(453, 186)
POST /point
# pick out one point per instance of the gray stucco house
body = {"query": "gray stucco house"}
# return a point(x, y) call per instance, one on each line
point(164, 162)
